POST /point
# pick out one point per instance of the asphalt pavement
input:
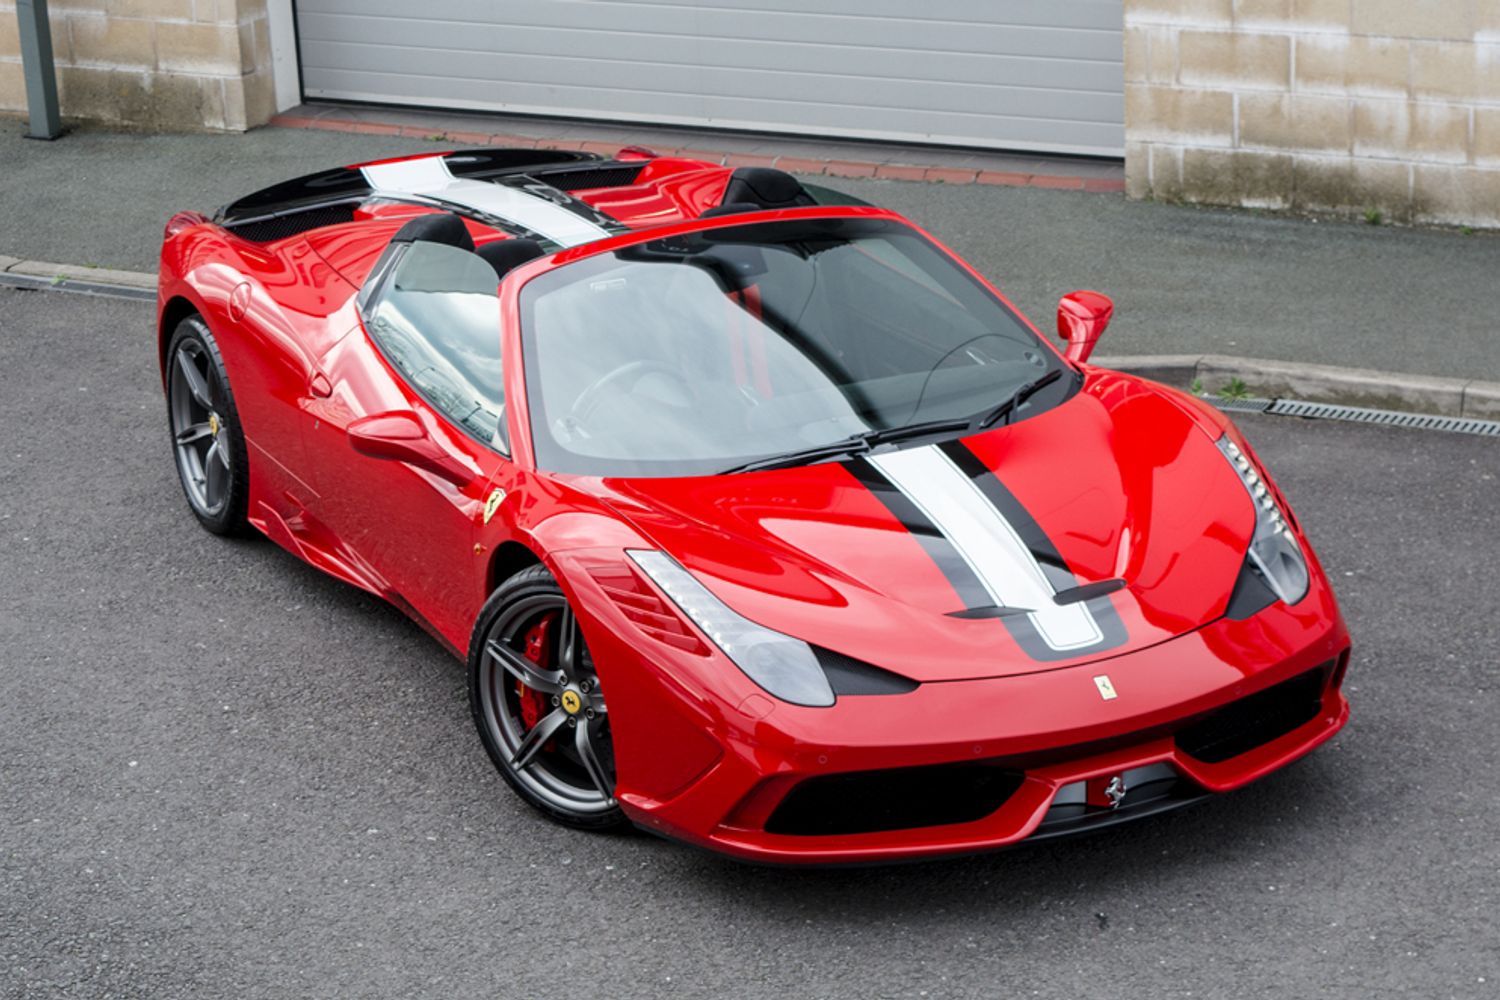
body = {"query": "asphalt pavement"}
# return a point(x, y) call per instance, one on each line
point(223, 774)
point(1186, 280)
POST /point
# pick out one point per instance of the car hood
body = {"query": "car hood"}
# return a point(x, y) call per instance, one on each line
point(899, 559)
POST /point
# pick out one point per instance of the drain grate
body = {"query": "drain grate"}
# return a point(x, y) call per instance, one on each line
point(1360, 415)
point(1240, 405)
point(1389, 418)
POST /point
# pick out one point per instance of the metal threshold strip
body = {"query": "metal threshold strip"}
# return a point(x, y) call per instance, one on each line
point(1360, 415)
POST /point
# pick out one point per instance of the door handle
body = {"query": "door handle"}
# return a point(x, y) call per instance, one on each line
point(318, 385)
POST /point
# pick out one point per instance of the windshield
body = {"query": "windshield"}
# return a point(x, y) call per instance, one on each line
point(696, 353)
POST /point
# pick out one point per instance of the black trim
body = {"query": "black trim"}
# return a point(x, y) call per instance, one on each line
point(1088, 591)
point(848, 676)
point(1251, 594)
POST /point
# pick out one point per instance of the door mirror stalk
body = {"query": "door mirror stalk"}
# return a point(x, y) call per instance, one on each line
point(400, 436)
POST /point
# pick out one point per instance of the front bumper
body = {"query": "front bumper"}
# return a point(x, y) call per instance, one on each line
point(1042, 747)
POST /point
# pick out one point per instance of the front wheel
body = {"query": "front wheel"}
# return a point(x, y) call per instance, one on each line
point(207, 442)
point(538, 705)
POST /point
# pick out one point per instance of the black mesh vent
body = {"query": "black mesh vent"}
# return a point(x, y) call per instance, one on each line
point(896, 799)
point(1254, 721)
point(280, 227)
point(613, 175)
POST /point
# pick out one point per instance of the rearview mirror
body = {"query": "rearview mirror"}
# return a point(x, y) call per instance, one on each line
point(1081, 318)
point(400, 436)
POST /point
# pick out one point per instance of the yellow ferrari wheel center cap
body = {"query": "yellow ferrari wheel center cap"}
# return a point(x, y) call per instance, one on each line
point(571, 703)
point(213, 424)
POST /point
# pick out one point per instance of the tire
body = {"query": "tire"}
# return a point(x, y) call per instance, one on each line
point(213, 466)
point(538, 706)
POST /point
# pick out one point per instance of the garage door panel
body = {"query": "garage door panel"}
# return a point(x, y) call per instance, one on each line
point(1067, 13)
point(728, 27)
point(793, 117)
point(869, 69)
point(540, 55)
point(729, 84)
point(896, 37)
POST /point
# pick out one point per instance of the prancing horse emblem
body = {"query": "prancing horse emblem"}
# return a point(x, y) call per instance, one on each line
point(1106, 687)
point(1115, 791)
point(493, 504)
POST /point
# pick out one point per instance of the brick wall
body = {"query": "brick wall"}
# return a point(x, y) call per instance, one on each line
point(1323, 105)
point(178, 64)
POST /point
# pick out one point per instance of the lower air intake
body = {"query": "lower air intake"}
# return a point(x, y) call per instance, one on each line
point(1243, 725)
point(896, 799)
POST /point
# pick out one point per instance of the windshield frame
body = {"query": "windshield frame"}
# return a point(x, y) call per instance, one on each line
point(520, 377)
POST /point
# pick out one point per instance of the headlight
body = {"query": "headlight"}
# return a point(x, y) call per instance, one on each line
point(1273, 550)
point(784, 666)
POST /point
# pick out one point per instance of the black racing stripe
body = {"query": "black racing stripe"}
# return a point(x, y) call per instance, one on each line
point(938, 548)
point(1054, 567)
point(562, 199)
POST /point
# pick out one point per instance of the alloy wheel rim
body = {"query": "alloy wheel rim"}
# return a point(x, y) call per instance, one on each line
point(199, 430)
point(565, 756)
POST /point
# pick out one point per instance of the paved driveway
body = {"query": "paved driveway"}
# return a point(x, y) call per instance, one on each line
point(222, 774)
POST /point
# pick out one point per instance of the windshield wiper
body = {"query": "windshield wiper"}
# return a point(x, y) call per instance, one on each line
point(1021, 395)
point(855, 444)
point(861, 443)
point(850, 446)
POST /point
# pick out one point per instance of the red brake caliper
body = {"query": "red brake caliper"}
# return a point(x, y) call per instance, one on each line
point(538, 651)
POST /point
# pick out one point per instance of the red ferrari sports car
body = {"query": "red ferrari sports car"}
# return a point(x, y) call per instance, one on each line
point(762, 521)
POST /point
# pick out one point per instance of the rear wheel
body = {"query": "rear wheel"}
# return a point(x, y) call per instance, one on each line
point(538, 705)
point(207, 442)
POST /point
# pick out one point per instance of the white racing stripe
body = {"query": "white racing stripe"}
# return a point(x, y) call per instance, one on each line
point(430, 177)
point(1003, 563)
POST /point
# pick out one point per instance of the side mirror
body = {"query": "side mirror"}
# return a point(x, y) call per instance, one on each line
point(1081, 318)
point(400, 436)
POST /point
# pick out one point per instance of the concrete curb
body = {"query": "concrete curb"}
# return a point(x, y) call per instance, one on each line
point(103, 276)
point(831, 167)
point(1447, 397)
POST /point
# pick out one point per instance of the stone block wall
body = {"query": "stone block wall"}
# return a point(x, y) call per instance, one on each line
point(172, 64)
point(1350, 106)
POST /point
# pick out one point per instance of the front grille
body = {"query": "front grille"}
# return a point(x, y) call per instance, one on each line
point(1243, 725)
point(896, 799)
point(612, 175)
point(281, 226)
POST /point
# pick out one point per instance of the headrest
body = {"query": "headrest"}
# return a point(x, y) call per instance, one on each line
point(765, 187)
point(732, 208)
point(442, 227)
point(506, 255)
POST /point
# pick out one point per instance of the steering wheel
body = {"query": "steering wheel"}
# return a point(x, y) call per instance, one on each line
point(623, 378)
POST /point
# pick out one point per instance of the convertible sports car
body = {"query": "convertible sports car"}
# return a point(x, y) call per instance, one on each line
point(762, 521)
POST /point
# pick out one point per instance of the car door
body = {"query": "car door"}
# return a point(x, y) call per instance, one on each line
point(276, 312)
point(410, 441)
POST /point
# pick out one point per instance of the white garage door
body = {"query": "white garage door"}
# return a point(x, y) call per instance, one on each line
point(1009, 74)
